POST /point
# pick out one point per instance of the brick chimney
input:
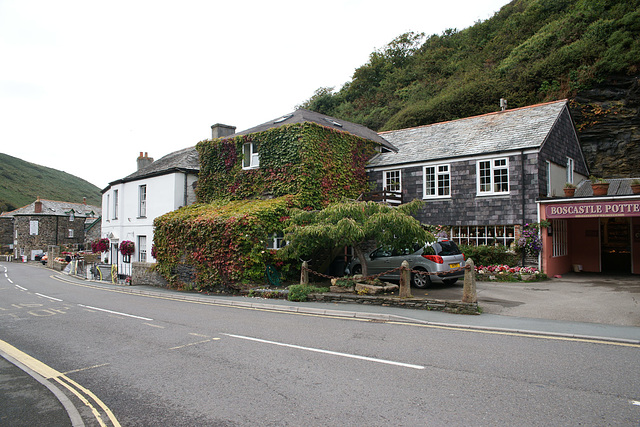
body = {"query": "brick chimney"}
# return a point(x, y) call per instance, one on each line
point(219, 130)
point(38, 206)
point(84, 200)
point(144, 160)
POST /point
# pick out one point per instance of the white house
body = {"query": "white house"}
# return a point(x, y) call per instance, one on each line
point(131, 204)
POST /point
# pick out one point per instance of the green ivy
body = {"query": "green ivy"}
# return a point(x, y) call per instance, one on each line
point(317, 164)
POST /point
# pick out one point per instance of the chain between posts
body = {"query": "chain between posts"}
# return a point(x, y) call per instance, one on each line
point(375, 276)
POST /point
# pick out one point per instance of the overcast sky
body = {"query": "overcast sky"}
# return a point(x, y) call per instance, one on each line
point(85, 86)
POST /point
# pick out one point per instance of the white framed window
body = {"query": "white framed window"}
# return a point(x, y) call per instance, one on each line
point(142, 248)
point(115, 204)
point(33, 228)
point(484, 235)
point(570, 167)
point(107, 205)
point(250, 159)
point(70, 233)
point(142, 201)
point(72, 216)
point(276, 241)
point(392, 181)
point(436, 181)
point(493, 176)
point(560, 240)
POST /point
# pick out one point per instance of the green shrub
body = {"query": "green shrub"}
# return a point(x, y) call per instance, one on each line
point(301, 292)
point(490, 255)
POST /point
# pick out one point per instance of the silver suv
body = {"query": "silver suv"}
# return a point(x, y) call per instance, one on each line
point(442, 256)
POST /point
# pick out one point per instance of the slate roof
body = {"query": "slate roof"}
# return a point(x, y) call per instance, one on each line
point(55, 208)
point(617, 187)
point(515, 129)
point(301, 116)
point(178, 161)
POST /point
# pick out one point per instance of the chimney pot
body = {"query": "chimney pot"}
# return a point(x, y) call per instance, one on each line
point(144, 161)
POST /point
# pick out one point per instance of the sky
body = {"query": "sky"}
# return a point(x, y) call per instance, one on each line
point(85, 86)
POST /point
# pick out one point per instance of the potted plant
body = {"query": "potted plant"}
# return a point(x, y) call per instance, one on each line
point(569, 189)
point(600, 186)
point(635, 186)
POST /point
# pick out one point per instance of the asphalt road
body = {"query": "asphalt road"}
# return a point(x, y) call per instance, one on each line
point(168, 361)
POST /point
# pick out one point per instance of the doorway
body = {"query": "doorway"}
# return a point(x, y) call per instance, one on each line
point(615, 245)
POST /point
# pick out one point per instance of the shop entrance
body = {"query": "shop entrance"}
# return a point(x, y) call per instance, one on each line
point(615, 245)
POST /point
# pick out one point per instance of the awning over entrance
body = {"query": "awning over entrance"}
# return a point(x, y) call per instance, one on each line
point(625, 208)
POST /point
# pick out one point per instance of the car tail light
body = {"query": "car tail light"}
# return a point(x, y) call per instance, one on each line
point(435, 258)
point(464, 258)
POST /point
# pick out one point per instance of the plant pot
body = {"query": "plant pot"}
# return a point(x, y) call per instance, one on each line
point(600, 189)
point(635, 188)
point(569, 192)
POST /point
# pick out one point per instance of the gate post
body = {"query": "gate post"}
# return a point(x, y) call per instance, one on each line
point(304, 273)
point(405, 281)
point(469, 289)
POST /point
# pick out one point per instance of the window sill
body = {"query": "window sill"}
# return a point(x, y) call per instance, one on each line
point(436, 197)
point(492, 194)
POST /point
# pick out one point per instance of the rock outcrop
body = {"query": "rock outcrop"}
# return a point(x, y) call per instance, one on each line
point(607, 118)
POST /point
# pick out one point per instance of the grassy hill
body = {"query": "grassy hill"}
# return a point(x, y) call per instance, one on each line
point(22, 182)
point(530, 51)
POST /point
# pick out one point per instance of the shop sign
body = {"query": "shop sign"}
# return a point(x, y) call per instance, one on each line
point(594, 209)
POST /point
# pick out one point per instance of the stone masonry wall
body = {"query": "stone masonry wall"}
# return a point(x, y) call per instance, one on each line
point(52, 230)
point(465, 207)
point(142, 273)
point(6, 235)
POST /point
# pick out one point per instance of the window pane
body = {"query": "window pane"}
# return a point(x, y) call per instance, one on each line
point(429, 181)
point(246, 158)
point(485, 176)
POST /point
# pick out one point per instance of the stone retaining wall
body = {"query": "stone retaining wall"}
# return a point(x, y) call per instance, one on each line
point(413, 303)
point(142, 273)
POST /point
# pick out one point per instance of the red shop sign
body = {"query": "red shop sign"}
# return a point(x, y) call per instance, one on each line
point(593, 209)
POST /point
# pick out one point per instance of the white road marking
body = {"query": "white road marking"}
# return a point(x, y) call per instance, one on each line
point(334, 353)
point(45, 296)
point(114, 312)
point(21, 288)
point(635, 402)
point(10, 281)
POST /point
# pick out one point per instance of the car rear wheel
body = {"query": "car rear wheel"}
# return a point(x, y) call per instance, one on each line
point(450, 281)
point(420, 280)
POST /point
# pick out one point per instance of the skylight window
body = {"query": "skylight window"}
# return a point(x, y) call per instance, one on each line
point(283, 118)
point(333, 122)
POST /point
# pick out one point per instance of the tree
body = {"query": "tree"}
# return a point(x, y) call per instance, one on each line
point(353, 223)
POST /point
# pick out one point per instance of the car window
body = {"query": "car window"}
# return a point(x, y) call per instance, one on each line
point(428, 250)
point(446, 248)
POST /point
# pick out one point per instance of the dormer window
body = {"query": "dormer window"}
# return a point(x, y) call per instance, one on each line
point(250, 159)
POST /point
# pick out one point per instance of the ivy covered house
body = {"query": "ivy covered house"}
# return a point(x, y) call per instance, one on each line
point(247, 184)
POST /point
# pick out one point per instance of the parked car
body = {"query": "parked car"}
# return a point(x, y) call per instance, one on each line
point(442, 256)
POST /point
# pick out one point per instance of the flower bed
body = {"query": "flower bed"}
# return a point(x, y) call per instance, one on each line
point(505, 273)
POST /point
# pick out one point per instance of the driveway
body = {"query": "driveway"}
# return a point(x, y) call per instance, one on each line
point(578, 297)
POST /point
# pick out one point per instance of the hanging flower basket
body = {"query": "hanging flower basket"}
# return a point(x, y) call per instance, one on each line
point(101, 245)
point(127, 248)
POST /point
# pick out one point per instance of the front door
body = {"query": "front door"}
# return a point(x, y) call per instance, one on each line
point(615, 245)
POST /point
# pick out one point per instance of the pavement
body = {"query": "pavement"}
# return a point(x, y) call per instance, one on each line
point(580, 306)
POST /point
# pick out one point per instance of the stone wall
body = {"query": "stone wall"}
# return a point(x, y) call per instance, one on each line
point(142, 273)
point(465, 207)
point(413, 303)
point(6, 235)
point(52, 230)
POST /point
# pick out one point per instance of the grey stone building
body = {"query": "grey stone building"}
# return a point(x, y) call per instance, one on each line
point(45, 223)
point(482, 176)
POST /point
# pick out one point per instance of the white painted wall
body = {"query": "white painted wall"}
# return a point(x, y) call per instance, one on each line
point(165, 193)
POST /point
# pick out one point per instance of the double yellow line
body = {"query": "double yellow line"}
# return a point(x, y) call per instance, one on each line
point(83, 394)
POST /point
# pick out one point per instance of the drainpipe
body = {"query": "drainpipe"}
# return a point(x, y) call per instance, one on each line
point(186, 175)
point(523, 199)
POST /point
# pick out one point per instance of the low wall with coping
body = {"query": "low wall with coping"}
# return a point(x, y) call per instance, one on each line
point(385, 301)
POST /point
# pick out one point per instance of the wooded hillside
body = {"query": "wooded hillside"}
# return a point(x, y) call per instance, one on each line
point(530, 51)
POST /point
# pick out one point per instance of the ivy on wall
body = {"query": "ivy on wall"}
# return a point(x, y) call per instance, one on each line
point(224, 236)
point(319, 165)
point(225, 241)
